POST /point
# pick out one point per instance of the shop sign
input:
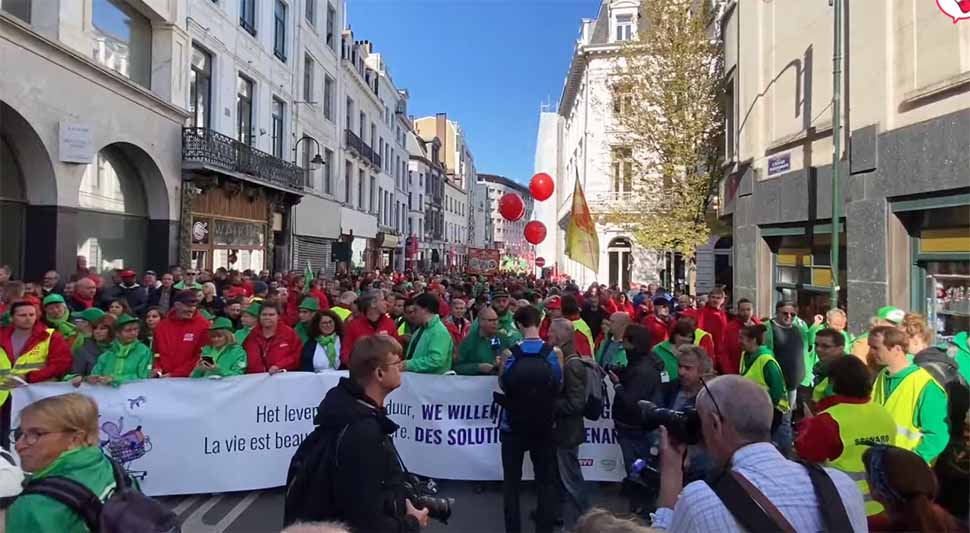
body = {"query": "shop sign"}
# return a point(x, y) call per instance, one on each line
point(778, 164)
point(75, 142)
point(200, 232)
point(236, 234)
point(483, 261)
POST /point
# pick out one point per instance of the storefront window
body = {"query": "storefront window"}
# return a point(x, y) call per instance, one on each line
point(228, 243)
point(112, 241)
point(803, 272)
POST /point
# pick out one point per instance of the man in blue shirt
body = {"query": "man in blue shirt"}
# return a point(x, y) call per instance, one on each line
point(530, 378)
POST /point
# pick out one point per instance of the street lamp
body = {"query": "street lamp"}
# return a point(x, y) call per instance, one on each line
point(317, 161)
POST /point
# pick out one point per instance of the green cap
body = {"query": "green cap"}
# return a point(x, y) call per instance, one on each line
point(53, 299)
point(91, 314)
point(310, 304)
point(124, 320)
point(891, 313)
point(221, 323)
point(254, 309)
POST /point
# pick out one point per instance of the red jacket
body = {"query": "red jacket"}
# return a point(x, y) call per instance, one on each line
point(321, 298)
point(729, 354)
point(291, 315)
point(818, 436)
point(713, 321)
point(282, 350)
point(58, 353)
point(444, 308)
point(236, 291)
point(580, 342)
point(458, 334)
point(361, 327)
point(178, 344)
point(659, 329)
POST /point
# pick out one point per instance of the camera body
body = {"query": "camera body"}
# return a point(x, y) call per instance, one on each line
point(682, 426)
point(423, 495)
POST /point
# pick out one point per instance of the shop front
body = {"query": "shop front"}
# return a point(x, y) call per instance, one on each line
point(802, 267)
point(387, 250)
point(231, 231)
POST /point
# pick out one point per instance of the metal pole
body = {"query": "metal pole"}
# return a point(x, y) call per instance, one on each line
point(837, 149)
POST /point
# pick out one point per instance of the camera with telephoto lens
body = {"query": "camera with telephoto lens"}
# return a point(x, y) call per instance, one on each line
point(682, 426)
point(423, 495)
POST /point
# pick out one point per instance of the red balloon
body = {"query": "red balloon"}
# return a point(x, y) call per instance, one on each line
point(535, 232)
point(542, 186)
point(511, 206)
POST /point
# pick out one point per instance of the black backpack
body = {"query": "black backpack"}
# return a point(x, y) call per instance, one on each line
point(531, 389)
point(126, 510)
point(596, 393)
point(309, 488)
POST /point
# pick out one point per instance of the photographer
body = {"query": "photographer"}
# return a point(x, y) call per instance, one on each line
point(735, 423)
point(693, 366)
point(348, 468)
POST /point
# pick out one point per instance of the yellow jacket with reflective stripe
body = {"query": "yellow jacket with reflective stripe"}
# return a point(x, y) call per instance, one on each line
point(756, 373)
point(902, 404)
point(861, 425)
point(582, 327)
point(342, 312)
point(34, 359)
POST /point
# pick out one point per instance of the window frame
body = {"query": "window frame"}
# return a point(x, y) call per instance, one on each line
point(194, 75)
point(310, 12)
point(240, 99)
point(280, 10)
point(329, 96)
point(331, 39)
point(247, 16)
point(309, 76)
point(278, 124)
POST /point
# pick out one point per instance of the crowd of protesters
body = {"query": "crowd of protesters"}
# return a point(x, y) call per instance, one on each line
point(834, 396)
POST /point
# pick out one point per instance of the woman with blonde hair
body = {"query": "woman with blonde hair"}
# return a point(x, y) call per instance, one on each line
point(58, 437)
point(222, 357)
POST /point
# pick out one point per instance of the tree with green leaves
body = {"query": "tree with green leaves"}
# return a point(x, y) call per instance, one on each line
point(667, 100)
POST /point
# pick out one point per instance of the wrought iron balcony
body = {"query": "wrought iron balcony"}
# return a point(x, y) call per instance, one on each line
point(209, 148)
point(375, 158)
point(352, 141)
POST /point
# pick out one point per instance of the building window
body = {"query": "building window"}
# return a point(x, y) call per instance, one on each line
point(247, 15)
point(622, 170)
point(279, 34)
point(311, 11)
point(363, 125)
point(372, 191)
point(328, 97)
point(328, 171)
point(360, 190)
point(331, 25)
point(278, 128)
point(307, 166)
point(122, 40)
point(729, 127)
point(308, 78)
point(350, 114)
point(373, 134)
point(17, 8)
point(244, 110)
point(200, 88)
point(348, 182)
point(624, 27)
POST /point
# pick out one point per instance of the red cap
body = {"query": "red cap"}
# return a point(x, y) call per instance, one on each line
point(554, 303)
point(128, 274)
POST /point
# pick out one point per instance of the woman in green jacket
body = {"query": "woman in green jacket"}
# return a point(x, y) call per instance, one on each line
point(222, 357)
point(58, 436)
point(126, 360)
point(249, 318)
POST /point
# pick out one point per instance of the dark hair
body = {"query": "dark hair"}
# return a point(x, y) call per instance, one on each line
point(744, 301)
point(570, 305)
point(639, 337)
point(234, 300)
point(338, 325)
point(370, 353)
point(716, 291)
point(756, 332)
point(850, 376)
point(526, 317)
point(123, 303)
point(685, 327)
point(269, 304)
point(18, 304)
point(784, 303)
point(428, 302)
point(891, 337)
point(833, 334)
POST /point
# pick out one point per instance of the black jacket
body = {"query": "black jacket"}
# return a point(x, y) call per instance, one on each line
point(155, 296)
point(640, 380)
point(368, 478)
point(946, 372)
point(136, 296)
point(594, 319)
point(570, 430)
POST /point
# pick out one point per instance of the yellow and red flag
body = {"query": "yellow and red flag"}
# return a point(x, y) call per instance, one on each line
point(582, 243)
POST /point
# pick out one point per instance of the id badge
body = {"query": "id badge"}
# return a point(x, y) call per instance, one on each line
point(664, 377)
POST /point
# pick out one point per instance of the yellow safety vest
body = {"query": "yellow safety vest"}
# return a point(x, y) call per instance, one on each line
point(33, 359)
point(819, 391)
point(901, 404)
point(860, 426)
point(699, 336)
point(756, 373)
point(581, 326)
point(342, 312)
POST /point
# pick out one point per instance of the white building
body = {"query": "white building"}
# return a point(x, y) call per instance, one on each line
point(481, 231)
point(508, 236)
point(426, 174)
point(456, 224)
point(92, 103)
point(578, 140)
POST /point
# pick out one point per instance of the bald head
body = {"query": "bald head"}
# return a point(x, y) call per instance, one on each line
point(745, 407)
point(560, 331)
point(85, 288)
point(618, 323)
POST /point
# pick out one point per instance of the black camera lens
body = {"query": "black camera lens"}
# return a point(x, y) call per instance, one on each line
point(682, 426)
point(438, 508)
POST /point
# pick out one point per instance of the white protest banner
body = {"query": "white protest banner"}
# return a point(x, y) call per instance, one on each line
point(185, 436)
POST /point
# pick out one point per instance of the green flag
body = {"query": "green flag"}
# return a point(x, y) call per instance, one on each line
point(308, 277)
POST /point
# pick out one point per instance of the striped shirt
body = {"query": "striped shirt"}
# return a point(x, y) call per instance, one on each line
point(785, 483)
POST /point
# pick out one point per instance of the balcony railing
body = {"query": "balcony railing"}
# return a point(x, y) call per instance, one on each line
point(202, 145)
point(375, 158)
point(352, 141)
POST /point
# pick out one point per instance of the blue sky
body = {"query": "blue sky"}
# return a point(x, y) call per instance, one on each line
point(489, 64)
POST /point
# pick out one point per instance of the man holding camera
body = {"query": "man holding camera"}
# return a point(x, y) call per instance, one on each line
point(348, 468)
point(758, 489)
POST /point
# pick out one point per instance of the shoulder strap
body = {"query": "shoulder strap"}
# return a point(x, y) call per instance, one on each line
point(748, 505)
point(834, 515)
point(72, 494)
point(545, 350)
point(122, 481)
point(516, 350)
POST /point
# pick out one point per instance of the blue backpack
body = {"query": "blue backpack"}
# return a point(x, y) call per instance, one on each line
point(531, 387)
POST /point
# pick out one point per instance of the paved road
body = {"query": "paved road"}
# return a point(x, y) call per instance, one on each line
point(477, 509)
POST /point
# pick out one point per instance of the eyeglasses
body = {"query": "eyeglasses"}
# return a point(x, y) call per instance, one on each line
point(399, 363)
point(327, 323)
point(32, 436)
point(713, 401)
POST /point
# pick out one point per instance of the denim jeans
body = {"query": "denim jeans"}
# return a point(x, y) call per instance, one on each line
point(783, 435)
point(572, 484)
point(543, 454)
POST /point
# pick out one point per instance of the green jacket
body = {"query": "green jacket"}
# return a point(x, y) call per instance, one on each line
point(40, 514)
point(65, 327)
point(302, 331)
point(808, 351)
point(181, 286)
point(124, 363)
point(507, 330)
point(931, 415)
point(229, 361)
point(617, 352)
point(961, 353)
point(241, 335)
point(667, 353)
point(813, 331)
point(433, 349)
point(475, 350)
